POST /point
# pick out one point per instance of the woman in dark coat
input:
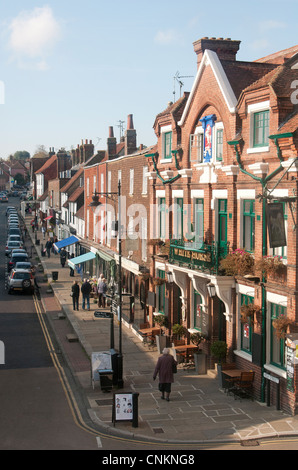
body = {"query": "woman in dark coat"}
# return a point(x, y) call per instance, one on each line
point(164, 368)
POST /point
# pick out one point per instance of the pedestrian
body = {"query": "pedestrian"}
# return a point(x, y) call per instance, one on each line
point(63, 257)
point(75, 292)
point(102, 290)
point(48, 247)
point(71, 269)
point(33, 272)
point(164, 368)
point(43, 231)
point(86, 290)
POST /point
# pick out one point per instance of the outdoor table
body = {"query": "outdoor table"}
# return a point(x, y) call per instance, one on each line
point(185, 349)
point(149, 332)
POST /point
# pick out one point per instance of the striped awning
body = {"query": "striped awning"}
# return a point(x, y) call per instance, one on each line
point(81, 259)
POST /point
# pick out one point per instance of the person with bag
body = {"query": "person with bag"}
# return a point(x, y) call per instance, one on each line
point(102, 290)
point(75, 293)
point(165, 368)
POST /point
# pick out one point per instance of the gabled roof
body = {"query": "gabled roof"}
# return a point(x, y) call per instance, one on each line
point(47, 164)
point(211, 58)
point(72, 180)
point(80, 213)
point(76, 194)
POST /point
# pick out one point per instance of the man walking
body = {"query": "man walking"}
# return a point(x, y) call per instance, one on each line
point(75, 290)
point(86, 289)
point(48, 247)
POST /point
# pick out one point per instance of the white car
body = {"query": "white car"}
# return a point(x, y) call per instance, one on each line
point(12, 245)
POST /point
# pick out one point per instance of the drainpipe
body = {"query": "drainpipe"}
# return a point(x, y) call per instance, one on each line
point(171, 180)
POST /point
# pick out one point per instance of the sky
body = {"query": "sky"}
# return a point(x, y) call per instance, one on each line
point(70, 69)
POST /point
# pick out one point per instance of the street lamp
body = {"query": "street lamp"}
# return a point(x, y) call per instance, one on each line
point(116, 229)
point(211, 289)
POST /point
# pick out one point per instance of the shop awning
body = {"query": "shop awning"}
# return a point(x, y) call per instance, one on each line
point(80, 259)
point(66, 242)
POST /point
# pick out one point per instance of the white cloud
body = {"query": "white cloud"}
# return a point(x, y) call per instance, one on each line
point(33, 34)
point(166, 37)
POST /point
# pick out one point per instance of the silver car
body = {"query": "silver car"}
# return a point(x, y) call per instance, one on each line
point(20, 280)
point(11, 246)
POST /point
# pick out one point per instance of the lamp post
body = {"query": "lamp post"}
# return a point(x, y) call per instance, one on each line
point(94, 204)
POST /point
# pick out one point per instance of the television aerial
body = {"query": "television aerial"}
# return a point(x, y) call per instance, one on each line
point(177, 78)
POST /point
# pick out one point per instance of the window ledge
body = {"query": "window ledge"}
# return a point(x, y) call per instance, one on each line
point(258, 149)
point(276, 370)
point(166, 160)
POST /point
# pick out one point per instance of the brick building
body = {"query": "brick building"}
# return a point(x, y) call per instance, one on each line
point(225, 167)
point(125, 163)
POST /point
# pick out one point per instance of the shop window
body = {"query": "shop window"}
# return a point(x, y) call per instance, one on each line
point(246, 328)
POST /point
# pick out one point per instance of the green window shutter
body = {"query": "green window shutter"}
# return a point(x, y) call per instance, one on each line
point(249, 225)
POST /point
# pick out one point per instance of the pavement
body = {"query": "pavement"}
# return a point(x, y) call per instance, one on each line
point(198, 411)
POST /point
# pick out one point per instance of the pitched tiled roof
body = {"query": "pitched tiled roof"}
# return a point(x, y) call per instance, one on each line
point(68, 185)
point(80, 213)
point(47, 164)
point(280, 57)
point(76, 194)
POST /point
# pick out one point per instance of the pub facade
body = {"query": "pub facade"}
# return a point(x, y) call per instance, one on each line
point(223, 197)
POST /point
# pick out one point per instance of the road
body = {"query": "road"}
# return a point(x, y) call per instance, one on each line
point(34, 411)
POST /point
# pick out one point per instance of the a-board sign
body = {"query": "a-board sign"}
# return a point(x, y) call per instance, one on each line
point(100, 361)
point(125, 408)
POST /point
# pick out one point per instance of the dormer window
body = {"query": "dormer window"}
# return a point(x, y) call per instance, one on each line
point(166, 136)
point(259, 127)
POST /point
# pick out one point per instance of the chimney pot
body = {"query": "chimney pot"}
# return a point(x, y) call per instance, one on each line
point(111, 131)
point(129, 122)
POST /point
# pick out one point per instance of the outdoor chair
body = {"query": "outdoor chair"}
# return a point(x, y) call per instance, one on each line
point(227, 382)
point(243, 388)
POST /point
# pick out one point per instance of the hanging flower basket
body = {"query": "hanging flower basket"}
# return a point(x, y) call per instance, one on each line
point(248, 312)
point(238, 262)
point(158, 281)
point(144, 276)
point(280, 325)
point(271, 266)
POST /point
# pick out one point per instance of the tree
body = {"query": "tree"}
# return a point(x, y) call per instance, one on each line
point(21, 155)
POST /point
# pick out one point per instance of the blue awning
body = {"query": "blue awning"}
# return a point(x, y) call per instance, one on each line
point(81, 259)
point(66, 242)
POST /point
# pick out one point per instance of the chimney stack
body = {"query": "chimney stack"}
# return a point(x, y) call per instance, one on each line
point(111, 143)
point(130, 137)
point(226, 49)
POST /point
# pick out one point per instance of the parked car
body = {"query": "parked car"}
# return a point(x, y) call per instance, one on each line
point(3, 199)
point(13, 238)
point(20, 280)
point(17, 250)
point(10, 210)
point(12, 216)
point(16, 258)
point(12, 245)
point(25, 265)
point(14, 231)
